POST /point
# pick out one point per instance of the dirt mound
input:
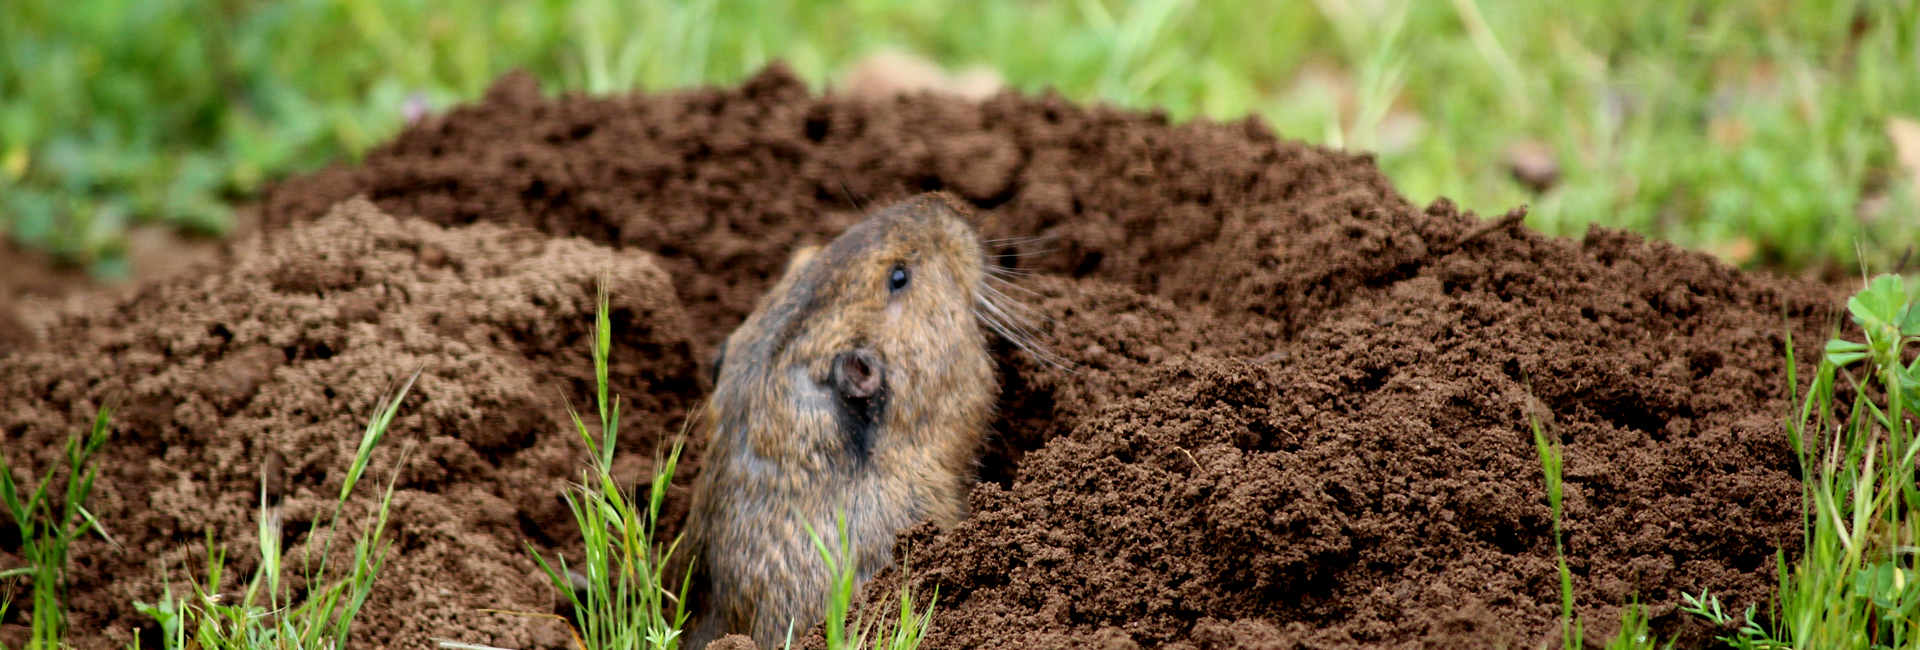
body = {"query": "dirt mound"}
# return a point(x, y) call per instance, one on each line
point(1371, 481)
point(289, 350)
point(1298, 413)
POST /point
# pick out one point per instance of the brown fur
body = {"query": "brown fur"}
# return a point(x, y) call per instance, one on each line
point(782, 451)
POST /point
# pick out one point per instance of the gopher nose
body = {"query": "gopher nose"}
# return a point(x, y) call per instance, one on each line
point(857, 373)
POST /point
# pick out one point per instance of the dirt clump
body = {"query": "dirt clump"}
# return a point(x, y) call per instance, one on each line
point(1296, 416)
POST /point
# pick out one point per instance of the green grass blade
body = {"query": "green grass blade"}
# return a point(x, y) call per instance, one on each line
point(10, 495)
point(376, 430)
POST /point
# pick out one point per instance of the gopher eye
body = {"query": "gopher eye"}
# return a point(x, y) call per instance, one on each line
point(897, 280)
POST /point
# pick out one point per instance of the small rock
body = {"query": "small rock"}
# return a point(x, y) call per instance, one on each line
point(888, 73)
point(1399, 132)
point(1737, 251)
point(1534, 164)
point(1905, 134)
point(1872, 207)
point(416, 107)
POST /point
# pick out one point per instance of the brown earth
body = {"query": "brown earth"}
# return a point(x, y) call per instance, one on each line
point(1297, 414)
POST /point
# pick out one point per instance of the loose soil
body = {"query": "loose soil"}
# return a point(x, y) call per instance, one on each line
point(1296, 414)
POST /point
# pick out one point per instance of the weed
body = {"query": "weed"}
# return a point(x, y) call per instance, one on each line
point(47, 533)
point(1854, 585)
point(840, 594)
point(267, 616)
point(625, 600)
point(1634, 633)
point(904, 634)
point(1550, 465)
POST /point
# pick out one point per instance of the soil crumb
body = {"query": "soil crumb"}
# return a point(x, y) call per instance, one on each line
point(1297, 413)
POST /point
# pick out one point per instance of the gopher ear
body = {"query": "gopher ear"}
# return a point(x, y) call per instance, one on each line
point(800, 257)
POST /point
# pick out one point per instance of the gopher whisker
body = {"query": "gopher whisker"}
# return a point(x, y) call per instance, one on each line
point(1011, 284)
point(1019, 240)
point(1029, 253)
point(1013, 321)
point(1012, 310)
point(1023, 312)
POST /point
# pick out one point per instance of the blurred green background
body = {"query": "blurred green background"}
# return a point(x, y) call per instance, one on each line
point(1768, 132)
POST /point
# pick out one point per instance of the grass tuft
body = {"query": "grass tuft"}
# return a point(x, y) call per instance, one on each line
point(1855, 583)
point(49, 529)
point(623, 600)
point(1634, 633)
point(267, 616)
point(905, 633)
